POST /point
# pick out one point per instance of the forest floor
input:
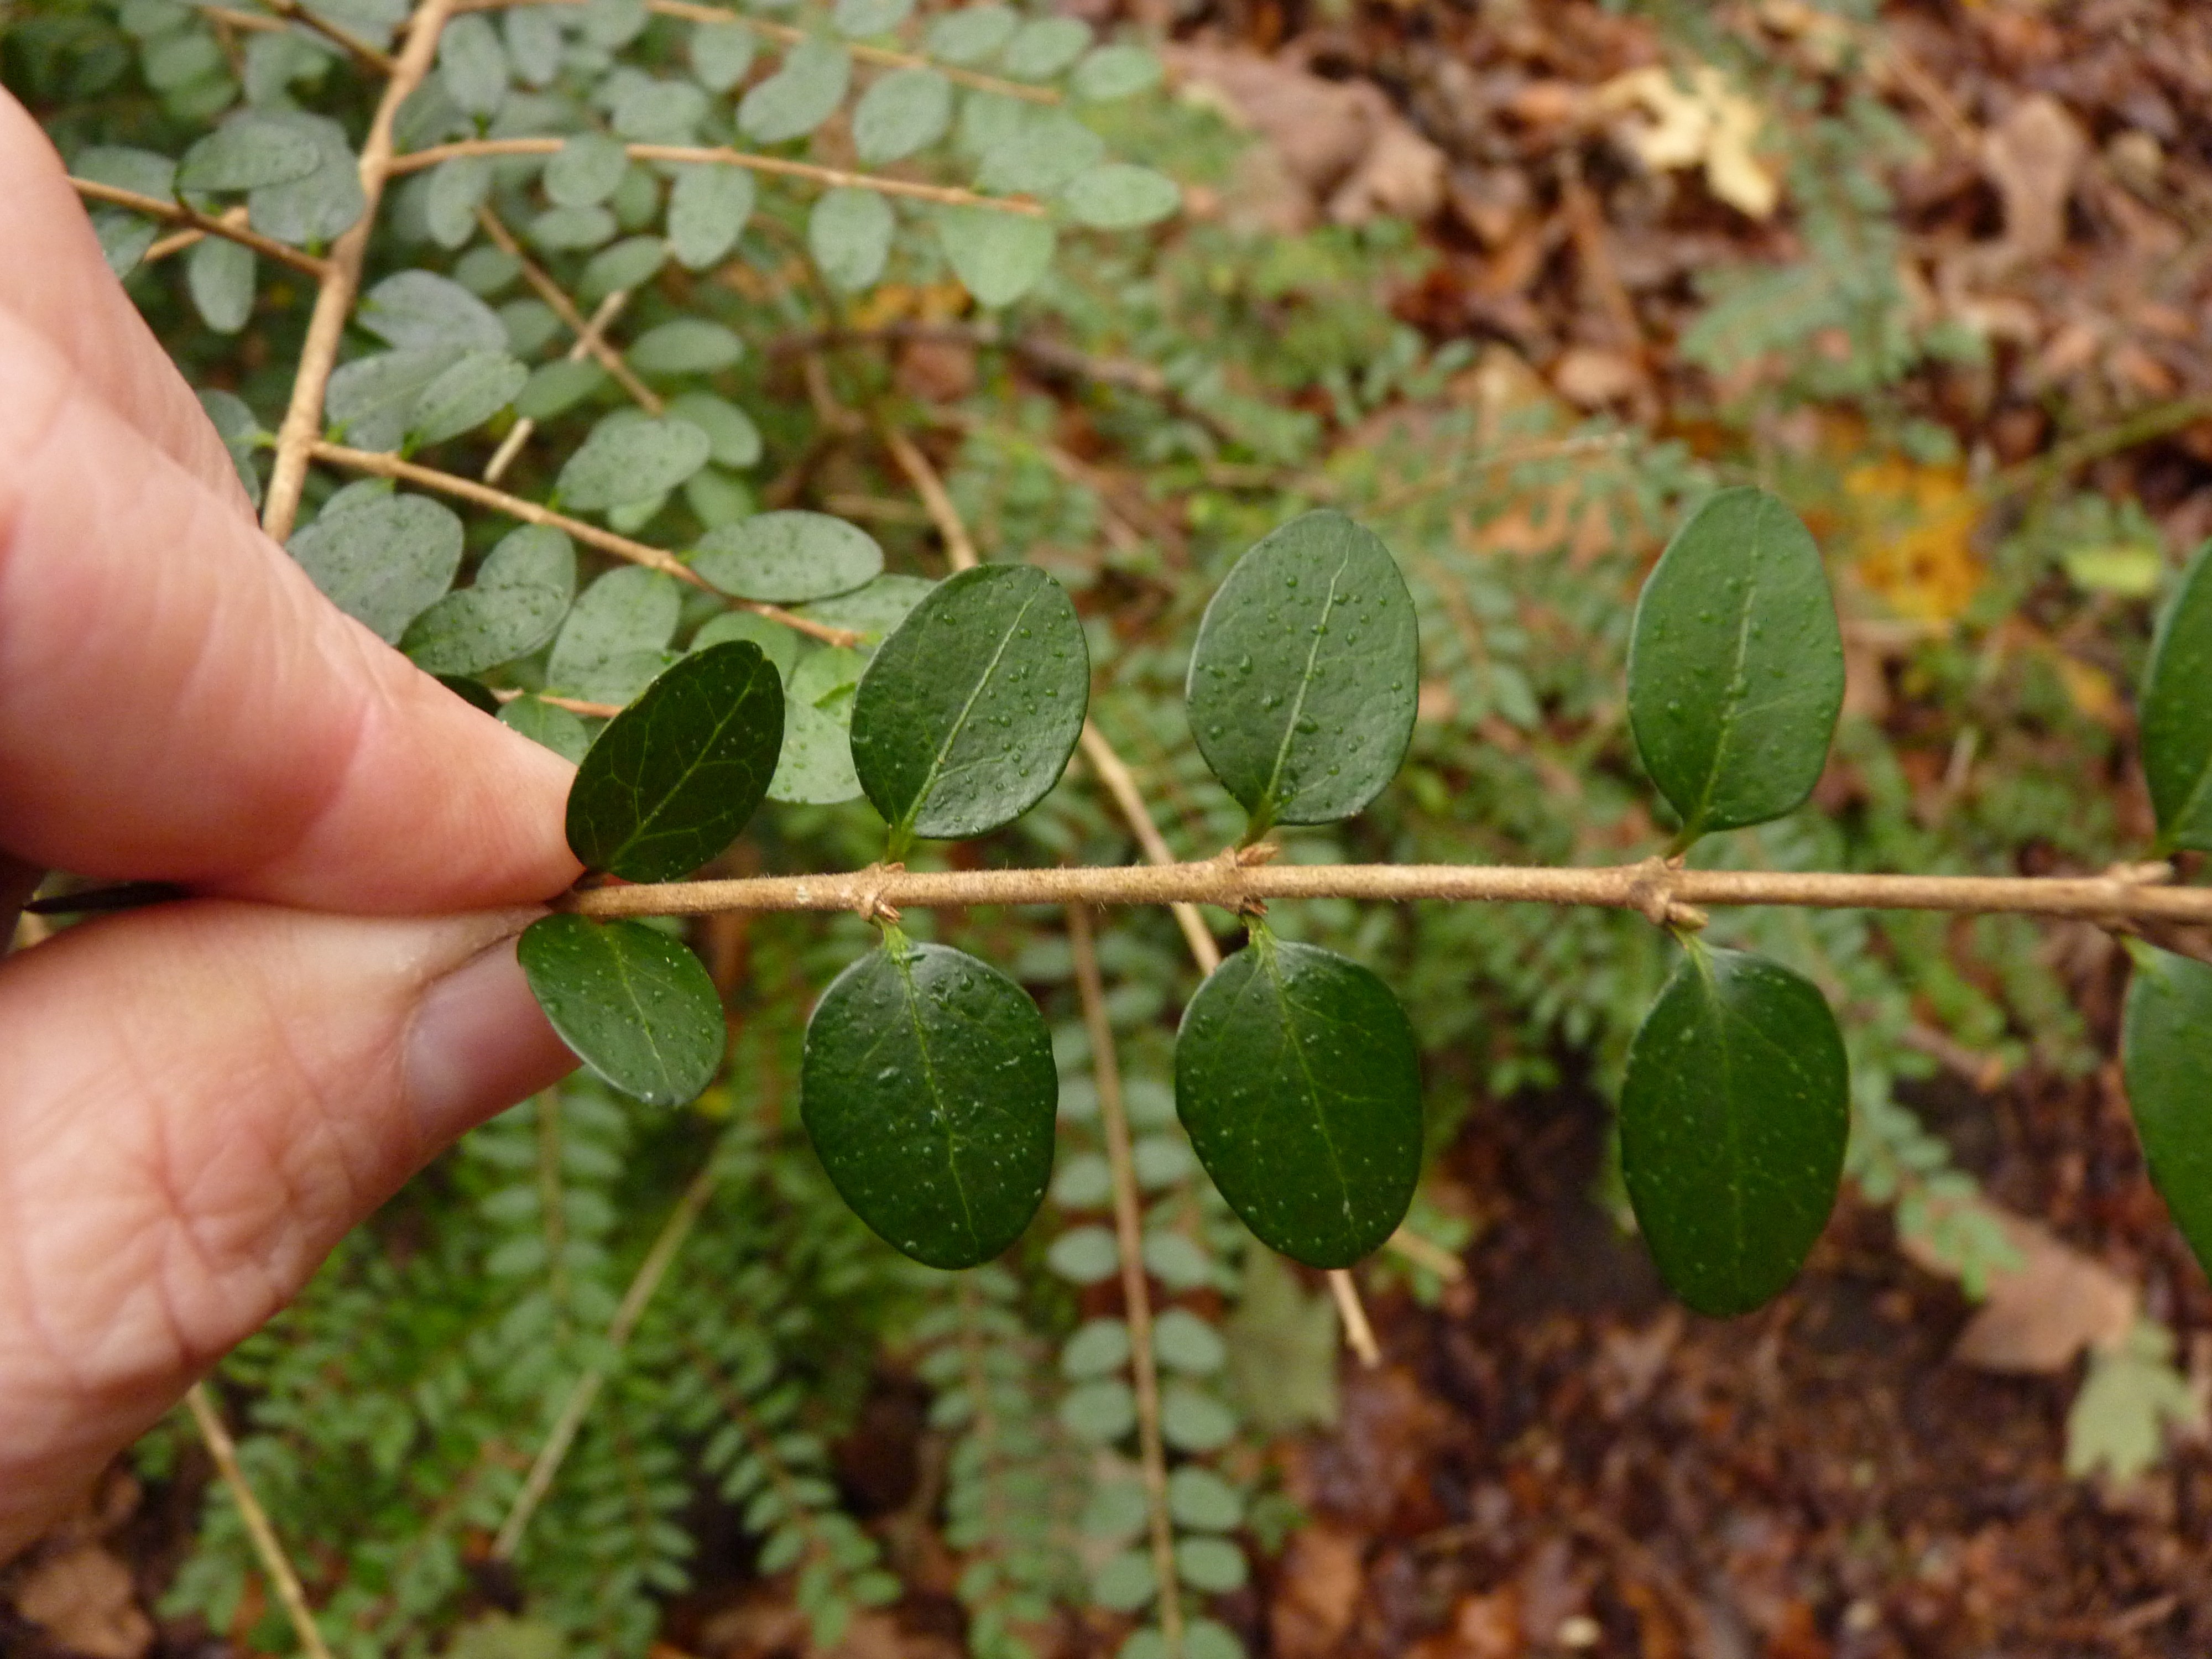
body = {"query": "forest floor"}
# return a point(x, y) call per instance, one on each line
point(1553, 1458)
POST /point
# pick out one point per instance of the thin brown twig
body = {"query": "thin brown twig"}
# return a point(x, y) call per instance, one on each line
point(266, 1545)
point(599, 711)
point(565, 308)
point(340, 276)
point(1358, 1331)
point(206, 224)
point(514, 507)
point(959, 550)
point(1652, 887)
point(1136, 1292)
point(291, 11)
point(829, 178)
point(519, 433)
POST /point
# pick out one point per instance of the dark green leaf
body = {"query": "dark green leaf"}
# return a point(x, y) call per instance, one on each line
point(1297, 1077)
point(969, 713)
point(1304, 680)
point(1119, 197)
point(2166, 1052)
point(384, 560)
point(998, 256)
point(630, 457)
point(849, 234)
point(1733, 1119)
point(522, 591)
point(908, 110)
point(2177, 712)
point(1735, 667)
point(632, 1003)
point(247, 153)
point(423, 310)
point(929, 1090)
point(787, 557)
point(220, 275)
point(677, 774)
point(476, 387)
point(803, 94)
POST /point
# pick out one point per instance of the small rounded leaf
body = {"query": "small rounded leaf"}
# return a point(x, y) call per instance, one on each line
point(998, 256)
point(220, 275)
point(849, 234)
point(969, 34)
point(1119, 197)
point(678, 774)
point(803, 94)
point(908, 110)
point(2166, 1054)
point(707, 210)
point(464, 396)
point(788, 557)
point(522, 591)
point(2177, 712)
point(1733, 1119)
point(633, 1004)
point(422, 310)
point(928, 1089)
point(969, 713)
point(248, 153)
point(1044, 46)
point(630, 457)
point(384, 560)
point(1298, 1080)
point(1304, 678)
point(1735, 664)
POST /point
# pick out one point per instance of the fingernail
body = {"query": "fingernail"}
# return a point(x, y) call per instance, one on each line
point(479, 1043)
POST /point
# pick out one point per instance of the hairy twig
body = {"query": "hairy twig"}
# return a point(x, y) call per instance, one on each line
point(204, 224)
point(266, 1545)
point(341, 278)
point(578, 1406)
point(1653, 887)
point(1136, 1294)
point(829, 178)
point(561, 306)
point(514, 507)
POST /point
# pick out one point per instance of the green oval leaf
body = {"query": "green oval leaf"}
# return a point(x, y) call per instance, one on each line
point(1044, 46)
point(677, 774)
point(1297, 1077)
point(1112, 72)
point(522, 591)
point(688, 345)
point(586, 170)
point(969, 713)
point(457, 189)
point(1732, 1119)
point(2165, 1054)
point(545, 723)
point(382, 560)
point(849, 234)
point(803, 94)
point(721, 54)
point(874, 611)
point(630, 457)
point(220, 275)
point(2177, 712)
point(465, 395)
point(908, 110)
point(970, 34)
point(614, 642)
point(472, 65)
point(1735, 665)
point(1304, 681)
point(732, 439)
point(779, 644)
point(249, 152)
point(788, 557)
point(928, 1089)
point(632, 1004)
point(1042, 154)
point(707, 209)
point(1118, 195)
point(420, 310)
point(998, 256)
point(859, 19)
point(627, 264)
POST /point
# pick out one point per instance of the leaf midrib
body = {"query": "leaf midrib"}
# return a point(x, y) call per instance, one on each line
point(900, 965)
point(1732, 705)
point(905, 825)
point(1268, 802)
point(645, 830)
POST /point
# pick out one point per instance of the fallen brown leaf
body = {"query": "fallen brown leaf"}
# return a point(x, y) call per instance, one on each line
point(83, 1597)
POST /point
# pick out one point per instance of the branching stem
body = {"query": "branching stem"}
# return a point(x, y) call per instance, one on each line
point(176, 213)
point(1654, 886)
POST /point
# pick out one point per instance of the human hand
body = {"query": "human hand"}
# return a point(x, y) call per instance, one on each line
point(197, 1101)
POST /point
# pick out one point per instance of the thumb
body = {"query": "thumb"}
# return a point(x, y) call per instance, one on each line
point(197, 1102)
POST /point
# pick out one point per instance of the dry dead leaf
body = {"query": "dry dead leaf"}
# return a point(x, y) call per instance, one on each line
point(82, 1597)
point(2041, 1312)
point(1692, 120)
point(1592, 379)
point(2033, 157)
point(1323, 1575)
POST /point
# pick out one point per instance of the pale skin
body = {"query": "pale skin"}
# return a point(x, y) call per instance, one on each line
point(197, 1101)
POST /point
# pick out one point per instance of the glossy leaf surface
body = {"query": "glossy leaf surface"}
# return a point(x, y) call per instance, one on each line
point(2165, 1054)
point(1736, 668)
point(675, 776)
point(2177, 712)
point(969, 711)
point(1297, 1077)
point(1732, 1119)
point(929, 1090)
point(1305, 678)
point(633, 1004)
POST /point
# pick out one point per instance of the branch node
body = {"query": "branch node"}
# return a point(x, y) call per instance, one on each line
point(1651, 890)
point(869, 904)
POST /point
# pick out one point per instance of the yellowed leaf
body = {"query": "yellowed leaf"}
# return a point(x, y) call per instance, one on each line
point(1910, 536)
point(1692, 120)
